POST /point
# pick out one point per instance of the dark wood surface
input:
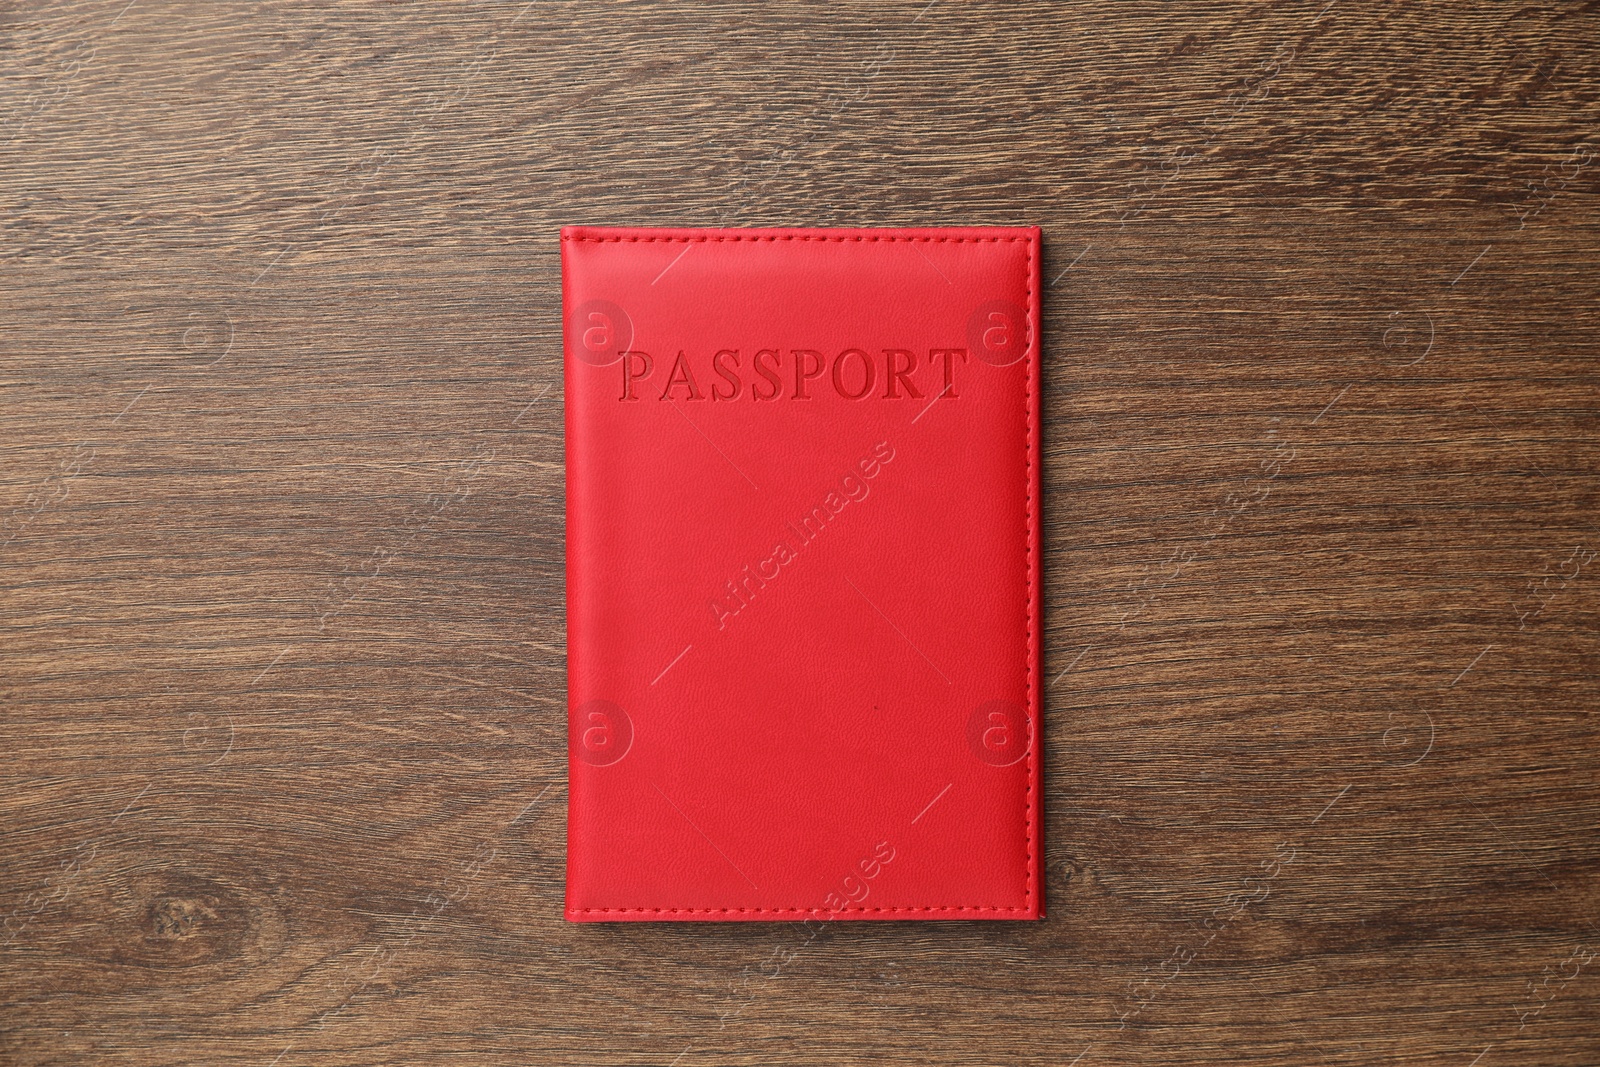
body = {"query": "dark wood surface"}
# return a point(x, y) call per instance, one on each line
point(281, 513)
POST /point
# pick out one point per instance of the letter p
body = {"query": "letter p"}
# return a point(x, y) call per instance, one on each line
point(631, 360)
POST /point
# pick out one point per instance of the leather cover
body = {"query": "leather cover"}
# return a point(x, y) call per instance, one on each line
point(803, 573)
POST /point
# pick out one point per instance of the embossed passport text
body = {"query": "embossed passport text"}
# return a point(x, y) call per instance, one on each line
point(802, 573)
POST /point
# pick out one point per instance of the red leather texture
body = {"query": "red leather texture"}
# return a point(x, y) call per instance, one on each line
point(803, 573)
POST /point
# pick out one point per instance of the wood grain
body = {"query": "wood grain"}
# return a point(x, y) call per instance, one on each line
point(281, 512)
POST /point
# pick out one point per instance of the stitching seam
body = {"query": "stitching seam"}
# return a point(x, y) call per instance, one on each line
point(805, 237)
point(794, 911)
point(1036, 728)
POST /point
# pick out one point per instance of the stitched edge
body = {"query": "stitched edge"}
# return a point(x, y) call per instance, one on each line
point(806, 237)
point(1034, 712)
point(1028, 538)
point(912, 908)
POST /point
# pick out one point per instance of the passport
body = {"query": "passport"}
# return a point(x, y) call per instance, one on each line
point(803, 580)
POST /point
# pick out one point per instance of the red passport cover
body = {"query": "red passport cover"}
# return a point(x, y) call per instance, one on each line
point(802, 573)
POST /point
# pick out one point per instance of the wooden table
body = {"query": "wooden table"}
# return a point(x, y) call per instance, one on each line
point(281, 584)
